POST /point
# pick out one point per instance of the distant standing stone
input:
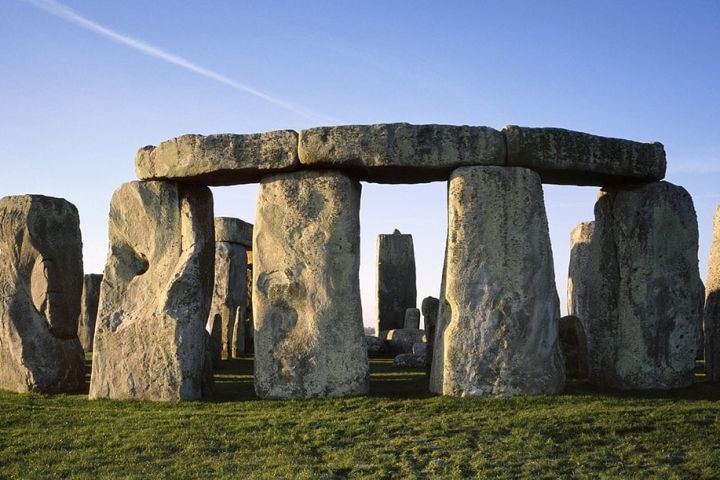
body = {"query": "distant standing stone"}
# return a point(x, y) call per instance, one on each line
point(574, 346)
point(309, 337)
point(402, 340)
point(396, 288)
point(712, 307)
point(88, 309)
point(40, 287)
point(497, 331)
point(579, 287)
point(429, 308)
point(412, 318)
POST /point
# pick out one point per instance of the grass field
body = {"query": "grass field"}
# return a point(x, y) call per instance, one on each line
point(399, 431)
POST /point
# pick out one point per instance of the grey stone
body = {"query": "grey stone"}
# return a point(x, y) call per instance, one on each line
point(234, 230)
point(375, 345)
point(88, 310)
point(573, 344)
point(711, 318)
point(429, 309)
point(579, 272)
point(409, 360)
point(497, 331)
point(309, 338)
point(150, 340)
point(646, 297)
point(574, 158)
point(229, 296)
point(420, 348)
point(224, 159)
point(396, 288)
point(401, 152)
point(401, 340)
point(412, 318)
point(40, 286)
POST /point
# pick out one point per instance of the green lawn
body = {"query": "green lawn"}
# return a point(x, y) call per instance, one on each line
point(400, 431)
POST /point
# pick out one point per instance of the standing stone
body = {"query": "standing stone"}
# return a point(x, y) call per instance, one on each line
point(497, 331)
point(229, 295)
point(711, 319)
point(396, 290)
point(646, 297)
point(429, 308)
point(40, 288)
point(579, 287)
point(574, 346)
point(88, 310)
point(412, 318)
point(309, 338)
point(150, 338)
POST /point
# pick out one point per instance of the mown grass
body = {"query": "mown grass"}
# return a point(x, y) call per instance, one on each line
point(399, 431)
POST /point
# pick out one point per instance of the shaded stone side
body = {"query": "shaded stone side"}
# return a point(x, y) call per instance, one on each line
point(224, 159)
point(88, 310)
point(580, 270)
point(711, 318)
point(429, 309)
point(401, 152)
point(396, 282)
point(309, 338)
point(646, 297)
point(497, 331)
point(150, 338)
point(575, 158)
point(40, 287)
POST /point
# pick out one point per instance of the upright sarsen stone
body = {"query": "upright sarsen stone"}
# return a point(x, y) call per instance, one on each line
point(309, 338)
point(497, 331)
point(646, 297)
point(150, 339)
point(40, 288)
point(579, 285)
point(88, 310)
point(396, 288)
point(711, 319)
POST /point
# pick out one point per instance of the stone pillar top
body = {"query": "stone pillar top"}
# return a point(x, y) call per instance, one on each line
point(233, 230)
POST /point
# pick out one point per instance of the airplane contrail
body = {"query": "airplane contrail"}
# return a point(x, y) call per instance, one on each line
point(64, 12)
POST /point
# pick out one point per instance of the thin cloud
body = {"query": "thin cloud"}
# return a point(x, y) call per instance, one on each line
point(66, 13)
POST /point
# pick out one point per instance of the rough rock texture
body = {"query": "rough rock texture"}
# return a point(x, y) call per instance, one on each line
point(575, 158)
point(497, 331)
point(150, 339)
point(396, 288)
point(711, 318)
point(40, 286)
point(412, 318)
point(234, 230)
point(244, 328)
point(574, 346)
point(429, 309)
point(580, 270)
point(375, 345)
point(309, 337)
point(88, 310)
point(409, 360)
point(420, 348)
point(402, 340)
point(229, 295)
point(400, 152)
point(224, 159)
point(646, 295)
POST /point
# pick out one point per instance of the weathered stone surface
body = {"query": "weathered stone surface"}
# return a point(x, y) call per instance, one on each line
point(579, 272)
point(309, 338)
point(88, 310)
point(401, 152)
point(396, 288)
point(409, 360)
point(711, 318)
point(401, 340)
point(150, 340)
point(229, 296)
point(646, 296)
point(497, 331)
point(234, 230)
point(420, 348)
point(375, 345)
point(574, 346)
point(412, 318)
point(429, 309)
point(574, 158)
point(224, 159)
point(40, 287)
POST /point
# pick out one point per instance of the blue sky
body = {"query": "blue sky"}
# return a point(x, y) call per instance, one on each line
point(75, 105)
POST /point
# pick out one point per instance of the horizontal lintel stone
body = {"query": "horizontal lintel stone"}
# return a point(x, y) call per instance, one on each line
point(233, 230)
